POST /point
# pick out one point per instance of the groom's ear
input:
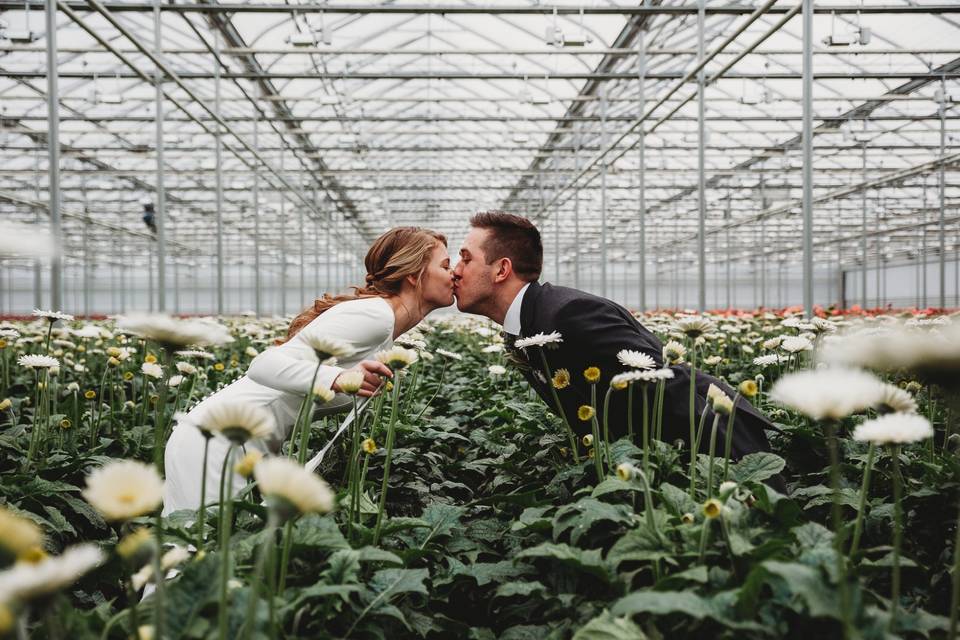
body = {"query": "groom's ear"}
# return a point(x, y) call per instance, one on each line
point(504, 270)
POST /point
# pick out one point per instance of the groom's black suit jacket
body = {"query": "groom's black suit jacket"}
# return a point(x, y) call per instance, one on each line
point(594, 330)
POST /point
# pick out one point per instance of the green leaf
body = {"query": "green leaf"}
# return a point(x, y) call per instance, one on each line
point(60, 523)
point(320, 532)
point(185, 597)
point(677, 500)
point(82, 508)
point(756, 467)
point(486, 572)
point(581, 516)
point(608, 627)
point(799, 587)
point(637, 545)
point(586, 561)
point(665, 602)
point(612, 485)
point(524, 589)
point(813, 535)
point(390, 582)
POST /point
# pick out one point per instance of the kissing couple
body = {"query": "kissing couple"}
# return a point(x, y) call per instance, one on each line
point(498, 276)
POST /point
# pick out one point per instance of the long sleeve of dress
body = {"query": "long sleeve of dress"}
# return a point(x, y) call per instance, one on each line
point(290, 367)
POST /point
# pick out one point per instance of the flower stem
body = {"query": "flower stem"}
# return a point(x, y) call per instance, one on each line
point(955, 584)
point(265, 547)
point(694, 448)
point(391, 430)
point(563, 416)
point(713, 448)
point(864, 490)
point(837, 518)
point(630, 413)
point(606, 429)
point(728, 438)
point(202, 514)
point(443, 370)
point(158, 577)
point(693, 432)
point(897, 536)
point(226, 503)
point(646, 434)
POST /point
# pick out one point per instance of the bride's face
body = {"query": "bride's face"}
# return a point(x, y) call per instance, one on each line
point(437, 282)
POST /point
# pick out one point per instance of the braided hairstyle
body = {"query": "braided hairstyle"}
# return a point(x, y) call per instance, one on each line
point(398, 253)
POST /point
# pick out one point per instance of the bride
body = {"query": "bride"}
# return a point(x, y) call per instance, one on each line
point(408, 276)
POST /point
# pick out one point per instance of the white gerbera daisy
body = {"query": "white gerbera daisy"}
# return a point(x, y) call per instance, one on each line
point(539, 340)
point(174, 381)
point(796, 344)
point(236, 421)
point(496, 370)
point(124, 489)
point(772, 343)
point(323, 394)
point(410, 342)
point(636, 359)
point(493, 348)
point(18, 536)
point(896, 400)
point(196, 353)
point(894, 428)
point(27, 581)
point(290, 487)
point(828, 394)
point(152, 370)
point(87, 332)
point(37, 361)
point(324, 346)
point(52, 316)
point(695, 326)
point(449, 354)
point(173, 332)
point(674, 352)
point(766, 360)
point(186, 368)
point(397, 357)
point(350, 381)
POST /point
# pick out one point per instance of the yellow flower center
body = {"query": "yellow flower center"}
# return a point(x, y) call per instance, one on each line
point(592, 374)
point(585, 412)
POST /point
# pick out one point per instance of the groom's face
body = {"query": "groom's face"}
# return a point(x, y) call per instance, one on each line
point(473, 277)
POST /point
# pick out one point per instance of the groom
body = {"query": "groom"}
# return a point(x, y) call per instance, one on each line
point(500, 263)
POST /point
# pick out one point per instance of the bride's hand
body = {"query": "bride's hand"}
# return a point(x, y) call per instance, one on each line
point(372, 372)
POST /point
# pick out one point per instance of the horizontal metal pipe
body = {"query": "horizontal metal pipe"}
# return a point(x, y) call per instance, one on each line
point(483, 75)
point(482, 118)
point(442, 9)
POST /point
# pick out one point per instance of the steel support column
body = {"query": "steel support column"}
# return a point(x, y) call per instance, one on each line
point(53, 151)
point(257, 286)
point(808, 157)
point(701, 169)
point(863, 231)
point(641, 173)
point(942, 195)
point(161, 209)
point(603, 196)
point(218, 143)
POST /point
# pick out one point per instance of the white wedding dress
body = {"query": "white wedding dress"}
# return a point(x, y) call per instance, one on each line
point(277, 380)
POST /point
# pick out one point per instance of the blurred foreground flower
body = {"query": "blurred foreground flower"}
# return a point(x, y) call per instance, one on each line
point(124, 489)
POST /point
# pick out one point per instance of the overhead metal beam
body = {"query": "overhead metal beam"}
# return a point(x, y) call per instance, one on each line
point(451, 9)
point(520, 76)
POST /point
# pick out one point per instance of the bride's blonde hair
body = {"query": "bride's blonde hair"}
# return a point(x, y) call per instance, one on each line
point(398, 253)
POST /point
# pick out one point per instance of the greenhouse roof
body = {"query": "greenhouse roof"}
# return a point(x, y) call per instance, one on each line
point(361, 116)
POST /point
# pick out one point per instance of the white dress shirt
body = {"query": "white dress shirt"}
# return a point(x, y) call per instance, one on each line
point(277, 380)
point(511, 321)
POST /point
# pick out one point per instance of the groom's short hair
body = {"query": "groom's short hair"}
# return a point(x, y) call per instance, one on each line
point(512, 237)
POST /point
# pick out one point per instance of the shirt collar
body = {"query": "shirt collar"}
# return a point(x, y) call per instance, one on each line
point(511, 322)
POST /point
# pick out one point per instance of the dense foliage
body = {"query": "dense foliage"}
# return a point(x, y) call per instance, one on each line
point(493, 531)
